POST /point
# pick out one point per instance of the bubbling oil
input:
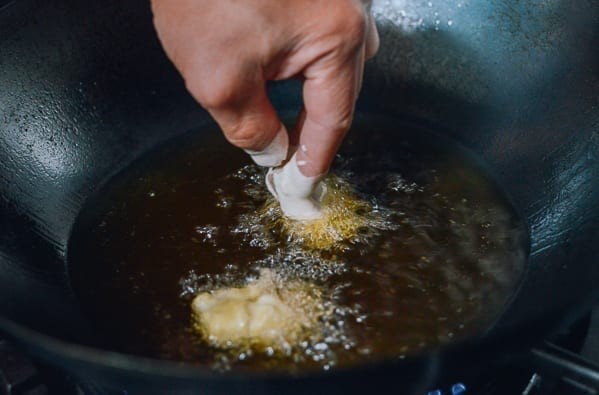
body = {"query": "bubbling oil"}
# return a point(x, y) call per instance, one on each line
point(435, 253)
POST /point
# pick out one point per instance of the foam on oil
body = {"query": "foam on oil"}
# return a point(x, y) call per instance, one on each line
point(437, 254)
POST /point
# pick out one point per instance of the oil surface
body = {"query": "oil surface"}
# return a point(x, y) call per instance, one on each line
point(442, 257)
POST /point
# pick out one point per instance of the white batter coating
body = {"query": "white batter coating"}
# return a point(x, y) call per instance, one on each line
point(298, 195)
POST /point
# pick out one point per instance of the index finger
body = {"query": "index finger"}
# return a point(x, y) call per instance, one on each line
point(329, 100)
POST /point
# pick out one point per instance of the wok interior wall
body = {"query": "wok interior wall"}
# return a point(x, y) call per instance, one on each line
point(85, 88)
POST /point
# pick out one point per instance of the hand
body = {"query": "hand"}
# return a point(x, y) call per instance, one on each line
point(226, 50)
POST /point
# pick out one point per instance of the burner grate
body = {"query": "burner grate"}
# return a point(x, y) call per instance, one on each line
point(18, 375)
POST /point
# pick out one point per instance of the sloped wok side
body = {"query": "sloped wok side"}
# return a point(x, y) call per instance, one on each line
point(85, 89)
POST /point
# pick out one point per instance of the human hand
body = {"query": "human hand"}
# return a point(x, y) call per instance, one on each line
point(226, 50)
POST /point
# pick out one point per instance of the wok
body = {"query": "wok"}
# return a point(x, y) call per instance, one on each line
point(85, 89)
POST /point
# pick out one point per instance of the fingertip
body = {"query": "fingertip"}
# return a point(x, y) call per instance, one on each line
point(275, 153)
point(317, 147)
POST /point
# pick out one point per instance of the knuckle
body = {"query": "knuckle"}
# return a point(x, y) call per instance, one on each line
point(213, 90)
point(210, 95)
point(340, 122)
point(344, 122)
point(352, 22)
point(243, 134)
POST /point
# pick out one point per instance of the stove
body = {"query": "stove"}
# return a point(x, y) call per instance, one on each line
point(566, 365)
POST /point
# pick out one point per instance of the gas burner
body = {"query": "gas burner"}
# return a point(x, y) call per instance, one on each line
point(456, 389)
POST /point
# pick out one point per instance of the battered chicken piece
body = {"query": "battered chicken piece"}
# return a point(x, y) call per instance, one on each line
point(265, 312)
point(342, 214)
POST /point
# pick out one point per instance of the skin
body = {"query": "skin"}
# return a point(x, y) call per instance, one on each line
point(226, 51)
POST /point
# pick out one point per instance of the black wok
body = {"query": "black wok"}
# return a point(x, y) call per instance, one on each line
point(85, 89)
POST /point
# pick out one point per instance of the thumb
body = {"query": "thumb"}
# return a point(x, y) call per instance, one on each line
point(249, 121)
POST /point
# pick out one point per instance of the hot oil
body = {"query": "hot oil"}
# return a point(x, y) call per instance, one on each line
point(441, 257)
